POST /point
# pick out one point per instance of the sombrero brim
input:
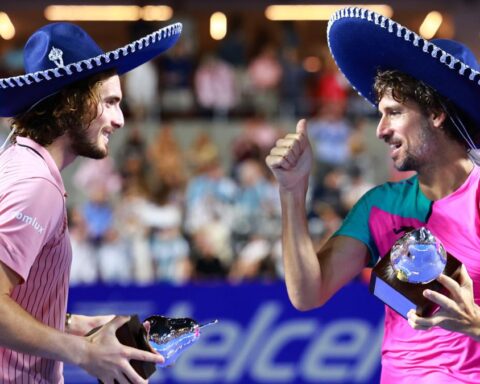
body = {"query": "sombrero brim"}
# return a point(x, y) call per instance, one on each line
point(30, 88)
point(363, 42)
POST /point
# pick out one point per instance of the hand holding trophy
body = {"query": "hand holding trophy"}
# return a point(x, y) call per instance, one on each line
point(411, 266)
point(170, 337)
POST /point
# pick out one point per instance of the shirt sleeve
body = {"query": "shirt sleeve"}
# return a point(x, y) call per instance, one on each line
point(356, 226)
point(31, 211)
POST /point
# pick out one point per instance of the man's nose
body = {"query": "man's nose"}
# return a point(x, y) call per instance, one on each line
point(383, 129)
point(118, 120)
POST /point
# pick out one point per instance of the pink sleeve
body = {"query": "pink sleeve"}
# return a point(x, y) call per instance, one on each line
point(30, 213)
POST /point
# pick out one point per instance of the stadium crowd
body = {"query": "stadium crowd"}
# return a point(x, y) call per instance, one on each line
point(157, 212)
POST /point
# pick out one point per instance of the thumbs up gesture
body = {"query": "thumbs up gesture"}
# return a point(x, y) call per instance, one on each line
point(291, 159)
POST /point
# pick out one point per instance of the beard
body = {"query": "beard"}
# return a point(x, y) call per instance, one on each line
point(418, 156)
point(408, 163)
point(84, 146)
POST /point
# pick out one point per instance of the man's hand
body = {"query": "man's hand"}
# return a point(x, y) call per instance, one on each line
point(291, 159)
point(457, 313)
point(108, 360)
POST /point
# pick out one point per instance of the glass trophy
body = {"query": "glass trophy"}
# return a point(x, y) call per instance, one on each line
point(171, 336)
point(168, 336)
point(411, 266)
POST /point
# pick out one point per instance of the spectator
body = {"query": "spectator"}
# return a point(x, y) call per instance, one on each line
point(97, 174)
point(176, 79)
point(141, 91)
point(265, 73)
point(209, 194)
point(214, 77)
point(207, 243)
point(293, 101)
point(84, 269)
point(168, 164)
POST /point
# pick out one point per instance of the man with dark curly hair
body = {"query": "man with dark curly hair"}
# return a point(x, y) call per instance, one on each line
point(66, 105)
point(427, 95)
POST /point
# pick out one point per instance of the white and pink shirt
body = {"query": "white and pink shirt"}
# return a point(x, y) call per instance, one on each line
point(34, 243)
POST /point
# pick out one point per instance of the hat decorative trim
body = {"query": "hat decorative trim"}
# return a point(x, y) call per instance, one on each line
point(402, 32)
point(88, 64)
point(363, 42)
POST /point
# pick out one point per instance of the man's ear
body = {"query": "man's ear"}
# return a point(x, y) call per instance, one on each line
point(438, 117)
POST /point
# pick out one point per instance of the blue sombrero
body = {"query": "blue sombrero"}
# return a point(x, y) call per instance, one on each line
point(362, 42)
point(59, 54)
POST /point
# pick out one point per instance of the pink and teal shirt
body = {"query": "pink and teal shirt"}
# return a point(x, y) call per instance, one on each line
point(380, 217)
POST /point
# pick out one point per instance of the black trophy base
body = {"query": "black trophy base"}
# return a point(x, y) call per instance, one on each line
point(403, 296)
point(133, 334)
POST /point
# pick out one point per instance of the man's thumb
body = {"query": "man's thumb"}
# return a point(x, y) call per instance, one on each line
point(302, 127)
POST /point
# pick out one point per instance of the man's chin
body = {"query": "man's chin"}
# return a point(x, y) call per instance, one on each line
point(93, 153)
point(403, 166)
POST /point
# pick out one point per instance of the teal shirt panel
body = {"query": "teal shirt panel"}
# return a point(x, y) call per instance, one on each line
point(383, 213)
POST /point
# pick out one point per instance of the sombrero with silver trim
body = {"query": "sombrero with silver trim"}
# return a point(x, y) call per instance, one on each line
point(362, 42)
point(59, 54)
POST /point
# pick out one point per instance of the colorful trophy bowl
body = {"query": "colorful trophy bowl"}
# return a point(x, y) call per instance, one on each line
point(411, 266)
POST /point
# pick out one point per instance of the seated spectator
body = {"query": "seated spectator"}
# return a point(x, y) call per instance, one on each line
point(84, 268)
point(168, 165)
point(293, 101)
point(114, 263)
point(98, 213)
point(135, 232)
point(209, 194)
point(215, 77)
point(141, 92)
point(176, 78)
point(252, 260)
point(206, 245)
point(94, 174)
point(264, 74)
point(169, 249)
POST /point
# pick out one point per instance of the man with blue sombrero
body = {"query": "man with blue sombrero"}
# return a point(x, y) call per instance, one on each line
point(428, 94)
point(66, 105)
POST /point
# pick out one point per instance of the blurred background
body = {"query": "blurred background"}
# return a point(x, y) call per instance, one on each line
point(183, 219)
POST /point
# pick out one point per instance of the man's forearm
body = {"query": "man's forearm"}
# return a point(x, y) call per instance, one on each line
point(80, 325)
point(23, 333)
point(302, 268)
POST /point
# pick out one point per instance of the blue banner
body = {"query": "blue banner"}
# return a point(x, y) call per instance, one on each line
point(260, 337)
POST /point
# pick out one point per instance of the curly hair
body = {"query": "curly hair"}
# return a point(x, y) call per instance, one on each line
point(404, 87)
point(70, 109)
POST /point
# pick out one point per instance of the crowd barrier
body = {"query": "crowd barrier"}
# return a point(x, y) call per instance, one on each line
point(260, 337)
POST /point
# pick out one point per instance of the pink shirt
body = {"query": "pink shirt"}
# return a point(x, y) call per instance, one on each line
point(455, 358)
point(436, 356)
point(34, 243)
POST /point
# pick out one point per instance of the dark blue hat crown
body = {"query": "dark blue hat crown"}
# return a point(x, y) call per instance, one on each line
point(363, 42)
point(59, 54)
point(56, 45)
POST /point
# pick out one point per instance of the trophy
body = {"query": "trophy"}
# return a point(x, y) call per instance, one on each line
point(411, 266)
point(171, 336)
point(168, 336)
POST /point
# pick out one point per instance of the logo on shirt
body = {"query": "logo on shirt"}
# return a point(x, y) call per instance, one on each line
point(29, 220)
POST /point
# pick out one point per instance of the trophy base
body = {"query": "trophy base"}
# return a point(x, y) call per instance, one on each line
point(403, 296)
point(133, 334)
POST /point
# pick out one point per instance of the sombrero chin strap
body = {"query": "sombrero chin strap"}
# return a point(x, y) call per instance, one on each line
point(4, 145)
point(474, 155)
point(473, 151)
